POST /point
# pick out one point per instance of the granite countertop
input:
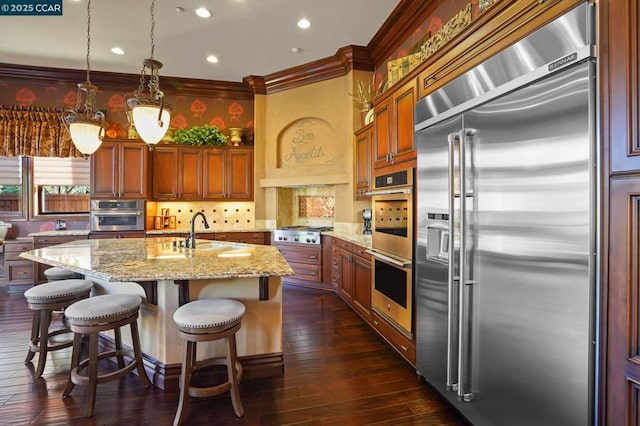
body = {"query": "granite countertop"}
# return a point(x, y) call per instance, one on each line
point(61, 233)
point(359, 239)
point(202, 231)
point(155, 258)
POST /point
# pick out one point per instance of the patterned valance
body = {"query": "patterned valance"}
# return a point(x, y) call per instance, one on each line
point(34, 132)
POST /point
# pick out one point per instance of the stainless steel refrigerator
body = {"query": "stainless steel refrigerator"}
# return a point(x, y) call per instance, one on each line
point(506, 244)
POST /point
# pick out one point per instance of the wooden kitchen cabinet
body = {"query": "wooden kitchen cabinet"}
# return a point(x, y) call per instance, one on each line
point(361, 270)
point(351, 275)
point(119, 170)
point(17, 271)
point(364, 143)
point(46, 241)
point(394, 127)
point(262, 238)
point(306, 262)
point(403, 345)
point(193, 173)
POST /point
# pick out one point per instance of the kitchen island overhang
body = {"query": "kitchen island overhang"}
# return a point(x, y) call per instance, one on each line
point(166, 276)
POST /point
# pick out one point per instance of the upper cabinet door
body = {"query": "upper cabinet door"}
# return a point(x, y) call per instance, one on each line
point(215, 179)
point(404, 102)
point(104, 171)
point(240, 174)
point(165, 173)
point(190, 176)
point(133, 160)
point(119, 170)
point(382, 133)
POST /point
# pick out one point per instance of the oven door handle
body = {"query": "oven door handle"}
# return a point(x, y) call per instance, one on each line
point(389, 191)
point(397, 262)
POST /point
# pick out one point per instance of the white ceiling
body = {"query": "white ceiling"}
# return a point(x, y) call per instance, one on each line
point(250, 37)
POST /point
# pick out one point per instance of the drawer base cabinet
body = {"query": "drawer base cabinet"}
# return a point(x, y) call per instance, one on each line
point(306, 262)
point(17, 271)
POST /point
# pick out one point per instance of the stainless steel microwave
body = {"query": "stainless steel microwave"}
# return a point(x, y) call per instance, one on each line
point(117, 215)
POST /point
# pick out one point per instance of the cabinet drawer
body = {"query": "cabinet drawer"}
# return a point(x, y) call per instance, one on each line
point(336, 262)
point(237, 236)
point(49, 241)
point(302, 255)
point(342, 244)
point(15, 247)
point(18, 272)
point(361, 251)
point(404, 346)
point(307, 272)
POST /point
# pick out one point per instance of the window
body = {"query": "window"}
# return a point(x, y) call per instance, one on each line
point(61, 185)
point(12, 201)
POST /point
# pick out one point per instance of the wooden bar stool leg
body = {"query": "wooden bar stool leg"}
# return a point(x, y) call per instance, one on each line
point(35, 328)
point(43, 341)
point(118, 338)
point(137, 352)
point(233, 375)
point(75, 360)
point(93, 375)
point(185, 380)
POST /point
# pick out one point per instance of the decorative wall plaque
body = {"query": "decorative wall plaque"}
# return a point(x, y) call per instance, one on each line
point(306, 142)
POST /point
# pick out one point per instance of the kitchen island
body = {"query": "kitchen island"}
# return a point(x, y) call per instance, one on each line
point(166, 275)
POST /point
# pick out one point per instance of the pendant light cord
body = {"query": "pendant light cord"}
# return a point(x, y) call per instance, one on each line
point(88, 39)
point(153, 25)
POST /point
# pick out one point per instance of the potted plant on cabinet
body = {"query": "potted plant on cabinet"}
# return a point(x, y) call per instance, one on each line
point(204, 135)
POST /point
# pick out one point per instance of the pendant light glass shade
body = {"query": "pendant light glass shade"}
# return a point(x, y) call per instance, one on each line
point(145, 119)
point(87, 137)
point(85, 123)
point(150, 113)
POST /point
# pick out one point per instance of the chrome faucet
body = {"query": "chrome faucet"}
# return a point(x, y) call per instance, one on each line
point(193, 228)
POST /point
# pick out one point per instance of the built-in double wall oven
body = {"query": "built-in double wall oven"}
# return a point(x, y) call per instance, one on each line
point(392, 249)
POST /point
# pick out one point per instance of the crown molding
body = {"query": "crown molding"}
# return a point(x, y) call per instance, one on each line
point(125, 82)
point(346, 59)
point(403, 20)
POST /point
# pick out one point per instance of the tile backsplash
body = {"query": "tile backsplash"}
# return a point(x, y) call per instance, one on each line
point(226, 215)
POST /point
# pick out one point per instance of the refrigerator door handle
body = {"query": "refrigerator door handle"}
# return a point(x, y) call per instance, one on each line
point(453, 275)
point(463, 317)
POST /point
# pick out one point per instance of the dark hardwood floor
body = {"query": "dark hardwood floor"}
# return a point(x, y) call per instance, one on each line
point(337, 372)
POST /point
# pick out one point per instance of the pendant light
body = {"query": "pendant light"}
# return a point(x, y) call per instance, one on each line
point(85, 123)
point(151, 114)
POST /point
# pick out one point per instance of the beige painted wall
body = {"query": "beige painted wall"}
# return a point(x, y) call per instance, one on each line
point(328, 101)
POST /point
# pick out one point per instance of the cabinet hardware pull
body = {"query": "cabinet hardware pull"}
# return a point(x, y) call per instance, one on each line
point(404, 348)
point(376, 322)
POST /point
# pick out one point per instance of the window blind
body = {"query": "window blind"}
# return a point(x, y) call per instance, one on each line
point(61, 171)
point(10, 170)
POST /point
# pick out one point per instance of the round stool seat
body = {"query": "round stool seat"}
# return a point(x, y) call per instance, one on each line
point(109, 306)
point(200, 316)
point(57, 291)
point(57, 273)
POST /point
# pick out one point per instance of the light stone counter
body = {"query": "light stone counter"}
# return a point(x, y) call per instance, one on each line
point(359, 239)
point(166, 276)
point(62, 233)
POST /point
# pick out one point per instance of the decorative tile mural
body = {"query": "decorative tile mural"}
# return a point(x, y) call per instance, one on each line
point(313, 206)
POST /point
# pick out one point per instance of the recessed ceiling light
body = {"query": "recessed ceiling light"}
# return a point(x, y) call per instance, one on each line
point(304, 23)
point(296, 49)
point(203, 12)
point(117, 50)
point(179, 9)
point(213, 59)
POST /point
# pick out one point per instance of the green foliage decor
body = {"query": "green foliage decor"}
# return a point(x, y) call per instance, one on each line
point(205, 135)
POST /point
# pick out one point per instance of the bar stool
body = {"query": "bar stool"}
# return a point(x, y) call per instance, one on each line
point(43, 300)
point(91, 316)
point(207, 320)
point(57, 273)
